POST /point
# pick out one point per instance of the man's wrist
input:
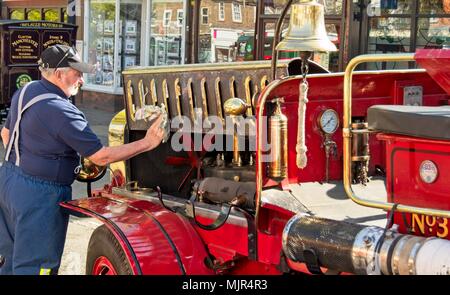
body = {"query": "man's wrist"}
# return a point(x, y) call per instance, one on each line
point(144, 145)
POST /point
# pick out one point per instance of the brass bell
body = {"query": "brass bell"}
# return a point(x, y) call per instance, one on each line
point(306, 30)
point(235, 107)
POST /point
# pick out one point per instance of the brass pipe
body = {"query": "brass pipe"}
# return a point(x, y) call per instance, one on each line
point(276, 39)
point(259, 171)
point(131, 107)
point(236, 155)
point(347, 134)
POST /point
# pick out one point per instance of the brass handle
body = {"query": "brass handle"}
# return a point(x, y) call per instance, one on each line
point(347, 134)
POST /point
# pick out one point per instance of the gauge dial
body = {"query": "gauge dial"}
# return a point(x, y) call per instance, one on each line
point(329, 121)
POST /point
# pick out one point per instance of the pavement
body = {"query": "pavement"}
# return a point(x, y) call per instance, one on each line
point(80, 229)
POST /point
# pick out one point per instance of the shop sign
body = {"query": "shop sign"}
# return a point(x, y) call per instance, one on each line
point(24, 47)
point(22, 80)
point(50, 38)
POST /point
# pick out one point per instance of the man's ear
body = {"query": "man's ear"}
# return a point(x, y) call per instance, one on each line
point(58, 73)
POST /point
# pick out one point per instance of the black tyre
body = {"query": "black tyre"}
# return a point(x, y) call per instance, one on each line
point(105, 255)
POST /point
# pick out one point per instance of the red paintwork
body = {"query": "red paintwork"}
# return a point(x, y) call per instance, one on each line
point(152, 249)
point(403, 183)
point(102, 266)
point(326, 92)
point(228, 245)
point(437, 64)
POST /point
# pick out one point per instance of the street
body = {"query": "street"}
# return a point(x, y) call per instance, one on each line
point(80, 229)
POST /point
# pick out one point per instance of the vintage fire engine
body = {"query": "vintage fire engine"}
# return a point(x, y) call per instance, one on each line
point(280, 200)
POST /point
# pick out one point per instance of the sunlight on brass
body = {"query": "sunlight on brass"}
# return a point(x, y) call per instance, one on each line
point(235, 107)
point(89, 171)
point(131, 107)
point(347, 134)
point(116, 137)
point(306, 30)
point(278, 142)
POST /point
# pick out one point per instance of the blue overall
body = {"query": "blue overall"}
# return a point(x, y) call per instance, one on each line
point(37, 175)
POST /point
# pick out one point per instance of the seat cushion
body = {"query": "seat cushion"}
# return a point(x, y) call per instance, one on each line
point(417, 121)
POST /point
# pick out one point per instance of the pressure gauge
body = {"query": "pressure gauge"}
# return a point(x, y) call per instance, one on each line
point(329, 121)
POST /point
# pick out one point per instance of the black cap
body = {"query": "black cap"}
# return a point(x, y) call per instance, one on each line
point(63, 56)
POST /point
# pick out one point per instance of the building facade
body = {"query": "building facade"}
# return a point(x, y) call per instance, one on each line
point(117, 34)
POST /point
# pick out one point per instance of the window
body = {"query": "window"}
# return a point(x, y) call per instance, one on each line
point(404, 27)
point(167, 17)
point(18, 14)
point(166, 42)
point(221, 11)
point(101, 42)
point(52, 15)
point(205, 12)
point(33, 14)
point(180, 17)
point(237, 13)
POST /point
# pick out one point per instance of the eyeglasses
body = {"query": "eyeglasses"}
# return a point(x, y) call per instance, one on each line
point(69, 51)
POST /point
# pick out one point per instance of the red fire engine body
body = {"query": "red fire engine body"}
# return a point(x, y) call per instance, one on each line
point(185, 227)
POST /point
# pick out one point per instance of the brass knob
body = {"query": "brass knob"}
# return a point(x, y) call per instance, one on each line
point(235, 106)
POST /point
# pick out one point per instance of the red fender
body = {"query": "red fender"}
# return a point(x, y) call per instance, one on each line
point(155, 240)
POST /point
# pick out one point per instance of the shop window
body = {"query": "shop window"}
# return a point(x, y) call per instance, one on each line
point(218, 41)
point(332, 7)
point(237, 13)
point(221, 11)
point(397, 33)
point(18, 14)
point(113, 47)
point(129, 36)
point(101, 42)
point(166, 37)
point(434, 6)
point(167, 17)
point(180, 18)
point(433, 32)
point(205, 16)
point(396, 7)
point(389, 35)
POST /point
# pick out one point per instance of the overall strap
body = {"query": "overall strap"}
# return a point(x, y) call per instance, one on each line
point(16, 131)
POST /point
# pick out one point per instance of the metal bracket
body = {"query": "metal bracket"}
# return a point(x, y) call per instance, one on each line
point(312, 261)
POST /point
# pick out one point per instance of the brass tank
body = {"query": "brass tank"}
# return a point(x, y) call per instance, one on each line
point(278, 142)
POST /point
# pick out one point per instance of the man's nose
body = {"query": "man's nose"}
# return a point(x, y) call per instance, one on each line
point(81, 80)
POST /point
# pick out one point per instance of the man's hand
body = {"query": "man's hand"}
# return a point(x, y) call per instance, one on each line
point(154, 135)
point(5, 136)
point(152, 139)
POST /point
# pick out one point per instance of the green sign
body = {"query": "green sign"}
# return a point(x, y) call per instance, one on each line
point(22, 80)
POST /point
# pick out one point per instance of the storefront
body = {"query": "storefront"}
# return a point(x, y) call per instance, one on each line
point(117, 34)
point(126, 33)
